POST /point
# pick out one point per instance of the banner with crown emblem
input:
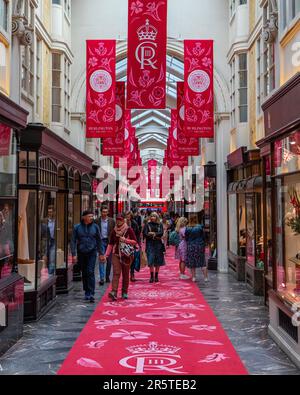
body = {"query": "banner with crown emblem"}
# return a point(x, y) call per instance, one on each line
point(199, 88)
point(147, 53)
point(101, 88)
point(187, 145)
point(115, 145)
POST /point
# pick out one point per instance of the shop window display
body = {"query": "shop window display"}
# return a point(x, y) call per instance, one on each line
point(242, 224)
point(255, 243)
point(233, 231)
point(47, 244)
point(288, 237)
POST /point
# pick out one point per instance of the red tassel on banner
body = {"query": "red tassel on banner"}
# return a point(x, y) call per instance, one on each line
point(147, 54)
point(187, 145)
point(199, 88)
point(100, 88)
point(112, 146)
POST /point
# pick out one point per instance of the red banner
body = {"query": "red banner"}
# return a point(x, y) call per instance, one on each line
point(129, 136)
point(187, 146)
point(199, 88)
point(5, 139)
point(152, 177)
point(173, 157)
point(115, 145)
point(101, 88)
point(147, 54)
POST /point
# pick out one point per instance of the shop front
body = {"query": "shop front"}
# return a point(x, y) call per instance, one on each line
point(12, 119)
point(245, 218)
point(53, 178)
point(282, 150)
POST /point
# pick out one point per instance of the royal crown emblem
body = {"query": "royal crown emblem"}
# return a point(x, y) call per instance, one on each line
point(147, 32)
point(153, 348)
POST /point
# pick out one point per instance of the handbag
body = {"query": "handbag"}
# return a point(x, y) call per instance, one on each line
point(126, 249)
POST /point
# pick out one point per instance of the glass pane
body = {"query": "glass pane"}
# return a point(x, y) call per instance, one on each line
point(287, 154)
point(32, 159)
point(23, 159)
point(269, 231)
point(77, 209)
point(86, 201)
point(47, 242)
point(27, 237)
point(250, 250)
point(61, 230)
point(242, 224)
point(233, 232)
point(8, 162)
point(56, 111)
point(7, 229)
point(288, 237)
point(244, 114)
point(32, 176)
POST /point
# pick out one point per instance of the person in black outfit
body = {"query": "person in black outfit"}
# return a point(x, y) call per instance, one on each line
point(85, 244)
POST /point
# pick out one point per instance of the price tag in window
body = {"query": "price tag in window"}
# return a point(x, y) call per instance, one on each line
point(3, 316)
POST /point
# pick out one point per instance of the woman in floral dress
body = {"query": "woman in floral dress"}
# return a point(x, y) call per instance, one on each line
point(180, 252)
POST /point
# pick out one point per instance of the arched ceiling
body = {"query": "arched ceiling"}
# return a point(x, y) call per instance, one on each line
point(152, 125)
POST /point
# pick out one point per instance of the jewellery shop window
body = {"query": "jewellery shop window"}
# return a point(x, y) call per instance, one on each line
point(287, 160)
point(86, 192)
point(7, 199)
point(269, 261)
point(233, 223)
point(61, 213)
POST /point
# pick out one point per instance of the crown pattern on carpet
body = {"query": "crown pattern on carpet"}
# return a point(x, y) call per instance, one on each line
point(147, 32)
point(153, 348)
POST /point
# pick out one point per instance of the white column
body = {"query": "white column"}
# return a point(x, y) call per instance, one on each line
point(15, 71)
point(222, 150)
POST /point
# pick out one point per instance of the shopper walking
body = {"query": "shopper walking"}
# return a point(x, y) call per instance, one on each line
point(85, 244)
point(181, 249)
point(106, 226)
point(122, 233)
point(153, 233)
point(166, 226)
point(195, 239)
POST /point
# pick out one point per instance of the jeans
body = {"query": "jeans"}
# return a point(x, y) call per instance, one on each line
point(88, 264)
point(105, 268)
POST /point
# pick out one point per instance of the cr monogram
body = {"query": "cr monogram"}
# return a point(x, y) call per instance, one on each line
point(145, 52)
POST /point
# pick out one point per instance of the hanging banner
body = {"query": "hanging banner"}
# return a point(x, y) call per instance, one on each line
point(147, 54)
point(187, 145)
point(173, 157)
point(199, 88)
point(101, 88)
point(112, 146)
point(129, 135)
point(152, 177)
point(5, 139)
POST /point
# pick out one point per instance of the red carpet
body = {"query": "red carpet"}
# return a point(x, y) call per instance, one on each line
point(163, 329)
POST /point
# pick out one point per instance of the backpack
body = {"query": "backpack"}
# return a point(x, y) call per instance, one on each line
point(174, 239)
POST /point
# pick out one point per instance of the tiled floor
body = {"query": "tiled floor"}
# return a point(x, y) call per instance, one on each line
point(46, 343)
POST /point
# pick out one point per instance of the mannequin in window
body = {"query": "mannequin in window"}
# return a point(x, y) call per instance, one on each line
point(48, 240)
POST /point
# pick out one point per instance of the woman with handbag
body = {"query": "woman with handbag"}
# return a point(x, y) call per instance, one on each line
point(153, 233)
point(122, 244)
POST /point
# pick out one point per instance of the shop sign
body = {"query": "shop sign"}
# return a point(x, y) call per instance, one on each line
point(5, 139)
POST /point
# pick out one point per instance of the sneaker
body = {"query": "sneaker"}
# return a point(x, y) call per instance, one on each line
point(194, 279)
point(206, 280)
point(101, 282)
point(92, 299)
point(184, 277)
point(87, 297)
point(124, 296)
point(112, 295)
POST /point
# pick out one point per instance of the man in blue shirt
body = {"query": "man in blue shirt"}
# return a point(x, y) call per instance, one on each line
point(86, 244)
point(106, 226)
